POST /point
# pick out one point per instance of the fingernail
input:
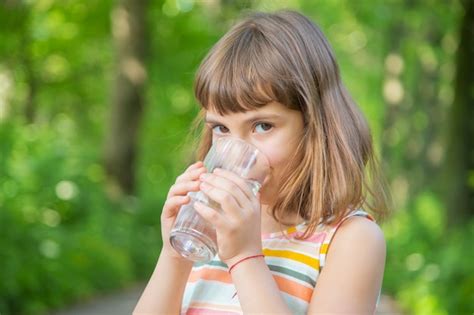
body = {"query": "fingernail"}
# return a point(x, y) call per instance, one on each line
point(203, 176)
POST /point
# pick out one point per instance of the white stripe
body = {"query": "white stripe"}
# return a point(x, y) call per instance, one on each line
point(296, 305)
point(293, 265)
point(305, 246)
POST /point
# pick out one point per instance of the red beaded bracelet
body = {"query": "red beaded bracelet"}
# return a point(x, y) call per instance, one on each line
point(244, 259)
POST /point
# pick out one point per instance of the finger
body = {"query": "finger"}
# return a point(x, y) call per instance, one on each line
point(181, 189)
point(193, 174)
point(193, 166)
point(209, 214)
point(243, 183)
point(227, 185)
point(172, 205)
point(227, 201)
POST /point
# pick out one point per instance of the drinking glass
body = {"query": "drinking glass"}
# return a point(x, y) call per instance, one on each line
point(192, 236)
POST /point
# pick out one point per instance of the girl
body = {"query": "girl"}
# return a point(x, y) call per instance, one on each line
point(273, 81)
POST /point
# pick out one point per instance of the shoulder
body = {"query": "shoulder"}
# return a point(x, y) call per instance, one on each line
point(354, 233)
point(356, 259)
point(360, 230)
point(360, 237)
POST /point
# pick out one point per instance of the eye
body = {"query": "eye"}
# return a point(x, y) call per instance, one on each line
point(263, 127)
point(220, 129)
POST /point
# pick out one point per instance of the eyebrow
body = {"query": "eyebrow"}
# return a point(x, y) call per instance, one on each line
point(249, 120)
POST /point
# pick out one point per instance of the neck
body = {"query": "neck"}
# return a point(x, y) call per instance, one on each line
point(270, 225)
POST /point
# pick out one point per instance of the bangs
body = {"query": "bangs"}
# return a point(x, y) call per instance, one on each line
point(242, 72)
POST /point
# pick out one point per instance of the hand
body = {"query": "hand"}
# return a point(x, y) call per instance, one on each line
point(177, 197)
point(238, 224)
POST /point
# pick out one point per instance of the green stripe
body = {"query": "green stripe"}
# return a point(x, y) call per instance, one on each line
point(278, 269)
point(211, 263)
point(293, 274)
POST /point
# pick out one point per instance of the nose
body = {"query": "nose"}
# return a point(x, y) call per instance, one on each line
point(242, 137)
point(246, 139)
point(243, 155)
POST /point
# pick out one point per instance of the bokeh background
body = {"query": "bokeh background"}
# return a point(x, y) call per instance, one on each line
point(96, 105)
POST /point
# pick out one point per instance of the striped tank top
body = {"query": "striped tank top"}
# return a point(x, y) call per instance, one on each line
point(295, 266)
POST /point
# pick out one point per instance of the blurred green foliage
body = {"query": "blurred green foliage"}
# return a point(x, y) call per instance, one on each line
point(57, 240)
point(429, 270)
point(63, 239)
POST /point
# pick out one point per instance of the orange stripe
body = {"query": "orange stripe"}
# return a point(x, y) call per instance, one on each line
point(293, 288)
point(210, 274)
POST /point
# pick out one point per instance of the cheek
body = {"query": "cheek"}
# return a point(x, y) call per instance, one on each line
point(277, 156)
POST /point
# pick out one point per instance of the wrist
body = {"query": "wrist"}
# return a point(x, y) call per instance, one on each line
point(171, 255)
point(242, 259)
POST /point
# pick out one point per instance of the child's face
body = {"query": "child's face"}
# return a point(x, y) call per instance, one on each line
point(274, 129)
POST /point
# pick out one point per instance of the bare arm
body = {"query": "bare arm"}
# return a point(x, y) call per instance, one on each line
point(164, 291)
point(352, 277)
point(257, 290)
point(238, 234)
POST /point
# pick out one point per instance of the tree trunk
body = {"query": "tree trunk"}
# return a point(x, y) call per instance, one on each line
point(129, 32)
point(460, 153)
point(31, 79)
point(20, 19)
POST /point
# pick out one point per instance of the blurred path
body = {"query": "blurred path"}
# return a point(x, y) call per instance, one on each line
point(123, 304)
point(388, 306)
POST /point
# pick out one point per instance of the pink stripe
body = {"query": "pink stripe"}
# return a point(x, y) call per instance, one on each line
point(318, 237)
point(202, 311)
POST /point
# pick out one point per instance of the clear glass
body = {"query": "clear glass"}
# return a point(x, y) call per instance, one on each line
point(192, 236)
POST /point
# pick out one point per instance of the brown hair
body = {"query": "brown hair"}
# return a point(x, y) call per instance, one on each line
point(284, 57)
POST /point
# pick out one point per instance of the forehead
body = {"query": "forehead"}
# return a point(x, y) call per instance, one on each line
point(273, 109)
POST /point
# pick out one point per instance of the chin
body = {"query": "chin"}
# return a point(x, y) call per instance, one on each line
point(266, 196)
